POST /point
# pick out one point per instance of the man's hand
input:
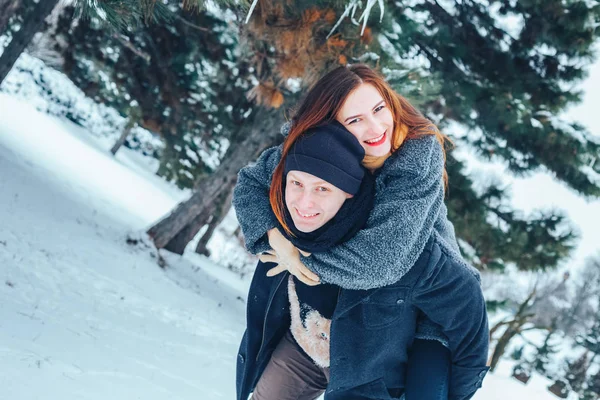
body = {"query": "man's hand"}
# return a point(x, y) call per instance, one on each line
point(287, 256)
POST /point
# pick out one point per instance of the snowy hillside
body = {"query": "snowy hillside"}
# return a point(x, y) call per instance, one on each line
point(84, 315)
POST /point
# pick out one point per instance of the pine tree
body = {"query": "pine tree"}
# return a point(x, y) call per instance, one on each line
point(544, 354)
point(522, 373)
point(513, 327)
point(592, 390)
point(508, 95)
point(530, 243)
point(499, 234)
point(286, 43)
point(582, 312)
point(577, 372)
point(517, 353)
point(501, 85)
point(8, 9)
point(591, 340)
point(560, 388)
point(30, 21)
point(539, 310)
point(29, 16)
point(185, 86)
point(505, 85)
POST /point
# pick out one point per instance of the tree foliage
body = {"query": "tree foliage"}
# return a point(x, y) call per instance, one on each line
point(503, 70)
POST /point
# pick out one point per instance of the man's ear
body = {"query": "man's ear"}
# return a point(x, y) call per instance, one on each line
point(349, 196)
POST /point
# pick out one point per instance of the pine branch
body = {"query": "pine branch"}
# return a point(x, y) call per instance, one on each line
point(528, 329)
point(192, 25)
point(145, 56)
point(498, 326)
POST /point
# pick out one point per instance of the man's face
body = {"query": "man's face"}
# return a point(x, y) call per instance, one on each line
point(311, 201)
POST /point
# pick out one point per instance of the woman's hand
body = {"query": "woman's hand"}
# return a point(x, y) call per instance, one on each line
point(287, 256)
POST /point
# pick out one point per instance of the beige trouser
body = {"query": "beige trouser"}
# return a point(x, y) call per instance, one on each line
point(291, 375)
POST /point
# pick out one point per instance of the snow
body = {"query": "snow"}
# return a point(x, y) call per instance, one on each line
point(84, 315)
point(502, 386)
point(52, 92)
point(352, 6)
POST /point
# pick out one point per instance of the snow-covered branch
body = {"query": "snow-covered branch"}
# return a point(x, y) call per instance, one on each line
point(352, 7)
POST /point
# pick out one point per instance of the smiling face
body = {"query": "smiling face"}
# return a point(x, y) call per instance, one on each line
point(311, 201)
point(366, 115)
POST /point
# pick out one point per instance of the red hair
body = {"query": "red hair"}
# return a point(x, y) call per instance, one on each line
point(322, 104)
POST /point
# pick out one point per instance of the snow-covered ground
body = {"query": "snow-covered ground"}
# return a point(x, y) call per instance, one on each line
point(84, 315)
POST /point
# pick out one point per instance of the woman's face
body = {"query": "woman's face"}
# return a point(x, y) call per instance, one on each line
point(311, 201)
point(366, 115)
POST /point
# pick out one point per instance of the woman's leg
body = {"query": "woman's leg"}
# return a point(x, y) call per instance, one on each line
point(290, 375)
point(428, 371)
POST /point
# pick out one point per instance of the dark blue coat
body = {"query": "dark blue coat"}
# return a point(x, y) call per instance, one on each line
point(371, 330)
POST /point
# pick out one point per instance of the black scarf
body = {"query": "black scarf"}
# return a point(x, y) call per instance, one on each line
point(350, 219)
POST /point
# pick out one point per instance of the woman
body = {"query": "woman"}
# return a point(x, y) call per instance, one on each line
point(407, 247)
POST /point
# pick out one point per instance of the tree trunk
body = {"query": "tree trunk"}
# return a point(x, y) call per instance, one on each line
point(496, 327)
point(514, 327)
point(216, 220)
point(8, 8)
point(126, 130)
point(503, 342)
point(559, 389)
point(180, 241)
point(33, 23)
point(208, 216)
point(521, 374)
point(203, 242)
point(593, 358)
point(262, 131)
point(582, 296)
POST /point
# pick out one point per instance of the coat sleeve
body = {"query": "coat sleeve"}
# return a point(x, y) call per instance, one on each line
point(449, 293)
point(251, 200)
point(406, 208)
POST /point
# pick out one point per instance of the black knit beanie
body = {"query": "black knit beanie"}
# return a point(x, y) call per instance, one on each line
point(329, 152)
